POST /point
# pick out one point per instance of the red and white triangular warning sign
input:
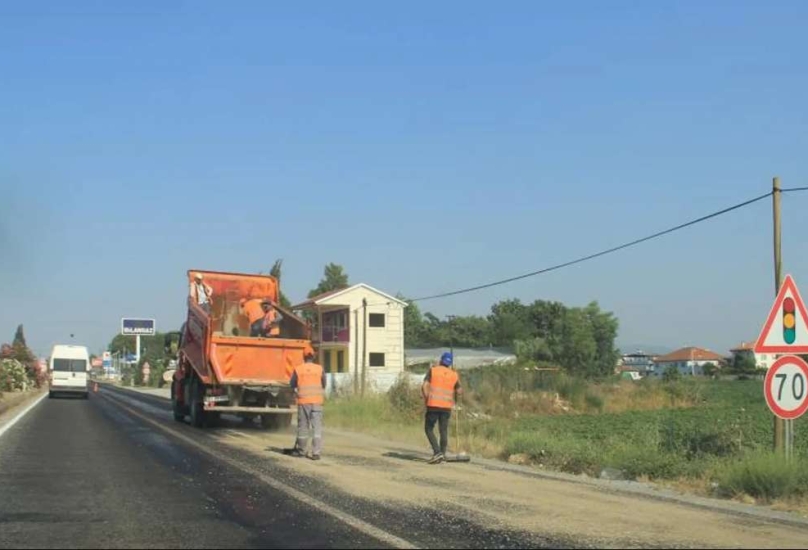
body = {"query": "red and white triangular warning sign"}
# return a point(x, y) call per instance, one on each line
point(786, 329)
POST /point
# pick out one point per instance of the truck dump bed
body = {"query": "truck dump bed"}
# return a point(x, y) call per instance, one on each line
point(218, 345)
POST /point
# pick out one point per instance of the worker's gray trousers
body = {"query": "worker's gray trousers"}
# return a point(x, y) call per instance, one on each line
point(310, 417)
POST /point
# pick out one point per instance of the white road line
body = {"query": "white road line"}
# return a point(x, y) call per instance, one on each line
point(9, 424)
point(356, 523)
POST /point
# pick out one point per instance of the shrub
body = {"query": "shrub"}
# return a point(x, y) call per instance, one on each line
point(638, 461)
point(572, 389)
point(595, 401)
point(13, 375)
point(671, 374)
point(406, 398)
point(765, 476)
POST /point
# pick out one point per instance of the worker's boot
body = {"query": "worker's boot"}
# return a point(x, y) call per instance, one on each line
point(437, 459)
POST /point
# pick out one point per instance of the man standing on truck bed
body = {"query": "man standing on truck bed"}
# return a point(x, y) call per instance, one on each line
point(309, 381)
point(201, 293)
point(264, 320)
point(441, 385)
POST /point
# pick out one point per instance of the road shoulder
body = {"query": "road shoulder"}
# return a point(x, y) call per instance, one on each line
point(12, 403)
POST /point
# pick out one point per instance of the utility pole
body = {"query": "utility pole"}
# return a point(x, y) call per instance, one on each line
point(779, 424)
point(356, 353)
point(364, 343)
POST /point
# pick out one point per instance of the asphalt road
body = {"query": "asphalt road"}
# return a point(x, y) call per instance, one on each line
point(85, 474)
point(116, 471)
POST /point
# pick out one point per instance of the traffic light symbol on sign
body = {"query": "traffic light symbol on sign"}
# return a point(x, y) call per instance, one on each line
point(789, 321)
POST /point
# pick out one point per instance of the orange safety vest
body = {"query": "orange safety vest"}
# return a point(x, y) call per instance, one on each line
point(442, 381)
point(274, 330)
point(252, 309)
point(310, 384)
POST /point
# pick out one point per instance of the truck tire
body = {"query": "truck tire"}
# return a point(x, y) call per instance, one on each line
point(213, 418)
point(197, 412)
point(179, 410)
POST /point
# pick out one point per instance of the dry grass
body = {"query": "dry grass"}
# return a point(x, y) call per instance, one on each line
point(12, 401)
point(692, 436)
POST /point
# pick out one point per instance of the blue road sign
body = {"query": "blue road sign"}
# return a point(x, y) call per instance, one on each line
point(137, 327)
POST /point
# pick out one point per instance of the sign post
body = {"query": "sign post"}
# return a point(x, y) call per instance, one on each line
point(137, 328)
point(786, 332)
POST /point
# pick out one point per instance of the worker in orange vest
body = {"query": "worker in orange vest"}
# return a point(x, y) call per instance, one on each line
point(272, 319)
point(264, 320)
point(441, 386)
point(309, 381)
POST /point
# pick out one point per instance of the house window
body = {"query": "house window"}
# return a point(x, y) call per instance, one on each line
point(376, 320)
point(376, 359)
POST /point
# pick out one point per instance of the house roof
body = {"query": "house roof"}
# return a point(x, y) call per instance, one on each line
point(689, 354)
point(744, 346)
point(327, 296)
point(314, 299)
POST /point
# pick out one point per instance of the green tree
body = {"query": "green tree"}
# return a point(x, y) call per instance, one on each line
point(276, 272)
point(533, 349)
point(671, 374)
point(152, 348)
point(604, 330)
point(414, 327)
point(509, 321)
point(467, 332)
point(743, 364)
point(546, 319)
point(577, 348)
point(436, 331)
point(334, 278)
point(710, 369)
point(19, 338)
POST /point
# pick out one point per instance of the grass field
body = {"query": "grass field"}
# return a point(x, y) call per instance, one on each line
point(711, 435)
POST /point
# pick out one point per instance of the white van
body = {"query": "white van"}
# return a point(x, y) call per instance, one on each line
point(69, 368)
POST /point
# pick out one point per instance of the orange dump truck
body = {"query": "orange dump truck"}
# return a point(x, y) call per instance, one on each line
point(222, 369)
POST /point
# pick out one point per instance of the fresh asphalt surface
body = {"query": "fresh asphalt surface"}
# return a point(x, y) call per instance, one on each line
point(93, 474)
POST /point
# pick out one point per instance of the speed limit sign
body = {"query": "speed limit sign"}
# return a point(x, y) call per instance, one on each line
point(786, 387)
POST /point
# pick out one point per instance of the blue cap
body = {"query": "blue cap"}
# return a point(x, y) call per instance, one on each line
point(446, 359)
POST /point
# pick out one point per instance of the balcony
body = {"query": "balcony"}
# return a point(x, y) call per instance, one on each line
point(335, 334)
point(335, 327)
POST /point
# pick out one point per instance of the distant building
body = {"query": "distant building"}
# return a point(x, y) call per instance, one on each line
point(639, 362)
point(747, 349)
point(689, 361)
point(464, 358)
point(350, 336)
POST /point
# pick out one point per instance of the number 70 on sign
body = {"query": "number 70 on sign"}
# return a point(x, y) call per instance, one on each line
point(785, 387)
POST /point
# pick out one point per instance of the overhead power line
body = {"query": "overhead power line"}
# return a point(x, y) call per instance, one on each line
point(603, 252)
point(794, 189)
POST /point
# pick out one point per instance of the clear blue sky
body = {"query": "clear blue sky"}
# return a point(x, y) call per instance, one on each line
point(423, 146)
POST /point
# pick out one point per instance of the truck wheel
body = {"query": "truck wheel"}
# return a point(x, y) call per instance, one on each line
point(197, 412)
point(179, 412)
point(213, 418)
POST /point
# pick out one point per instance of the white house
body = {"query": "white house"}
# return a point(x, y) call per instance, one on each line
point(638, 361)
point(357, 330)
point(689, 361)
point(762, 360)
